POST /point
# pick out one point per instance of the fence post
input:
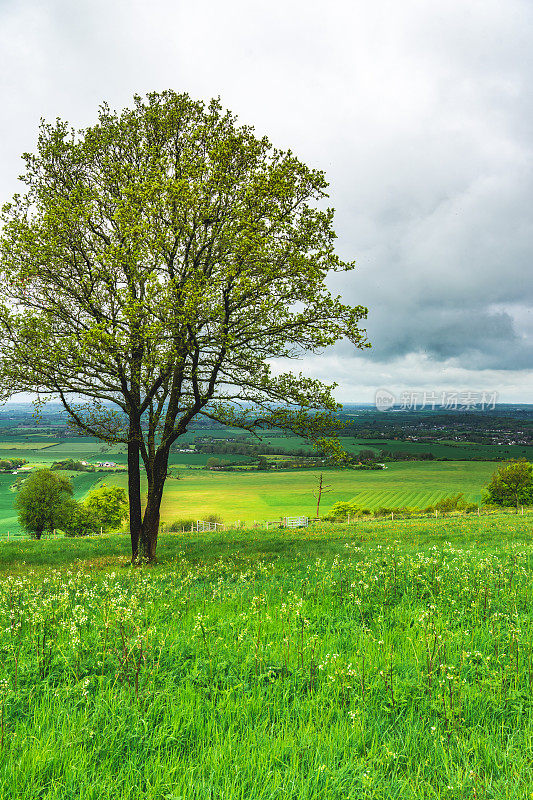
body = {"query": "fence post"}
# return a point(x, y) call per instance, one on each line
point(392, 515)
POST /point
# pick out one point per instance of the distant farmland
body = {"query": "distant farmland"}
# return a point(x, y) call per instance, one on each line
point(255, 495)
point(260, 496)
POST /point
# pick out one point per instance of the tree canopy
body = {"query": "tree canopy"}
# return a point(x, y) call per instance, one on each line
point(108, 505)
point(511, 484)
point(102, 511)
point(43, 502)
point(155, 265)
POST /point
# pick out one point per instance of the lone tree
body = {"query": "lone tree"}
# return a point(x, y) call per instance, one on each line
point(511, 485)
point(322, 488)
point(155, 265)
point(43, 502)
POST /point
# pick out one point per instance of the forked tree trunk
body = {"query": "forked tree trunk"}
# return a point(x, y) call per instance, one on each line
point(134, 496)
point(150, 523)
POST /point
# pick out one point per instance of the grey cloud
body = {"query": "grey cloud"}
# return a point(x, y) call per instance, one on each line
point(420, 113)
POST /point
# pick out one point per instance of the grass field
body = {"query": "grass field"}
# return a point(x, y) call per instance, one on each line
point(263, 496)
point(269, 495)
point(17, 445)
point(378, 662)
point(450, 450)
point(8, 515)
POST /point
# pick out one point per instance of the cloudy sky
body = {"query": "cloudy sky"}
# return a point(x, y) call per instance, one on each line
point(419, 112)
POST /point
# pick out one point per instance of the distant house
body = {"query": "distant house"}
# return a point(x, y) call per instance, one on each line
point(106, 464)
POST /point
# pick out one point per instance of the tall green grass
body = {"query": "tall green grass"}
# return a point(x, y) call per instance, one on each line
point(372, 661)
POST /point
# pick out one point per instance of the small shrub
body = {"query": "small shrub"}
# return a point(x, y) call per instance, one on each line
point(455, 502)
point(213, 518)
point(341, 511)
point(178, 525)
point(382, 511)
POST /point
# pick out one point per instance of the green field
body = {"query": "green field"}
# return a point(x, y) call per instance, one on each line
point(92, 451)
point(269, 495)
point(383, 661)
point(449, 450)
point(262, 496)
point(18, 445)
point(256, 496)
point(453, 451)
point(8, 515)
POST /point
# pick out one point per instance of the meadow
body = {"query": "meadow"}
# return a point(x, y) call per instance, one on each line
point(370, 662)
point(265, 496)
point(270, 495)
point(250, 497)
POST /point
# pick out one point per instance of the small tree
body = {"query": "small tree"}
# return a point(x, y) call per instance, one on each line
point(511, 485)
point(43, 502)
point(78, 520)
point(342, 510)
point(103, 510)
point(108, 505)
point(321, 489)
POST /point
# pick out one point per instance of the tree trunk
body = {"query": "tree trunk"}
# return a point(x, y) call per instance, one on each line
point(38, 533)
point(134, 493)
point(319, 498)
point(150, 523)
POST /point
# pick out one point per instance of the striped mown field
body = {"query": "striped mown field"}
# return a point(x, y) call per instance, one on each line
point(260, 496)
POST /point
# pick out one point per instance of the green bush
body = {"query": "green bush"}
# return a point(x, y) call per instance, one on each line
point(455, 502)
point(404, 511)
point(511, 485)
point(178, 525)
point(213, 518)
point(341, 511)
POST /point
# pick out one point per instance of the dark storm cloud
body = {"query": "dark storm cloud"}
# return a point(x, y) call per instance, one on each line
point(420, 113)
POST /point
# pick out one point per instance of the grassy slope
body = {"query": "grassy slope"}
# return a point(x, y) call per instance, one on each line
point(498, 534)
point(8, 516)
point(292, 666)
